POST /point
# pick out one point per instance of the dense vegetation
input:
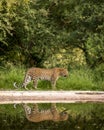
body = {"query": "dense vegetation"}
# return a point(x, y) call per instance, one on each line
point(49, 33)
point(32, 31)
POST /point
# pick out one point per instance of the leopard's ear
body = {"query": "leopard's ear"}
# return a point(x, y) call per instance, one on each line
point(64, 113)
point(61, 69)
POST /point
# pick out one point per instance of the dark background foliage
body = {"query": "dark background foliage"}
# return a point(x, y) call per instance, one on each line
point(32, 31)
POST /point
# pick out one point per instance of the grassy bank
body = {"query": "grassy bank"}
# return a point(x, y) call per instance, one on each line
point(79, 79)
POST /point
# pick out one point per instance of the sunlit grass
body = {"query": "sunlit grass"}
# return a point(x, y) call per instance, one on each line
point(8, 77)
point(78, 79)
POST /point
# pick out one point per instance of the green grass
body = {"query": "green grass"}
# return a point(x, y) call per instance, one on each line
point(79, 79)
point(82, 79)
point(8, 77)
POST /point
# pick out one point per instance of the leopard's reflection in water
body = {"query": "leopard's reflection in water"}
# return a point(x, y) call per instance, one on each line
point(36, 115)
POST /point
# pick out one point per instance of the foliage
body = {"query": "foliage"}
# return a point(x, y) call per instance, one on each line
point(32, 31)
point(35, 33)
point(82, 26)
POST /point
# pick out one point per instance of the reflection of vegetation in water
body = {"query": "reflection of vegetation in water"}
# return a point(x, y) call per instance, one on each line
point(89, 118)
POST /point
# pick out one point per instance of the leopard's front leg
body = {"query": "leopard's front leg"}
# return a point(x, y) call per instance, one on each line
point(54, 111)
point(53, 107)
point(35, 109)
point(35, 82)
point(53, 81)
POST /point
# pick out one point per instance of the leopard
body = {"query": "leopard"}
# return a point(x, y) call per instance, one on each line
point(52, 114)
point(35, 74)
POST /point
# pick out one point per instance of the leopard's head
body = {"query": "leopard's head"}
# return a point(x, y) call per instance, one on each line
point(63, 116)
point(63, 72)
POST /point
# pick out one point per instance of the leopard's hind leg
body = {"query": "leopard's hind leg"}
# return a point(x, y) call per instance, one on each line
point(27, 109)
point(27, 80)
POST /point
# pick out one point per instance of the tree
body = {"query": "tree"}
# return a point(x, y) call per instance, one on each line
point(5, 26)
point(32, 31)
point(82, 25)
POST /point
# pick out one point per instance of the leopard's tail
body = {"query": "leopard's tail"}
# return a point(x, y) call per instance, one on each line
point(17, 86)
point(15, 105)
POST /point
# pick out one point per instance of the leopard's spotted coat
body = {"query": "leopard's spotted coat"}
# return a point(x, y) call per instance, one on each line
point(34, 115)
point(36, 74)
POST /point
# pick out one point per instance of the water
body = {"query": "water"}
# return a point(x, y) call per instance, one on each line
point(92, 118)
